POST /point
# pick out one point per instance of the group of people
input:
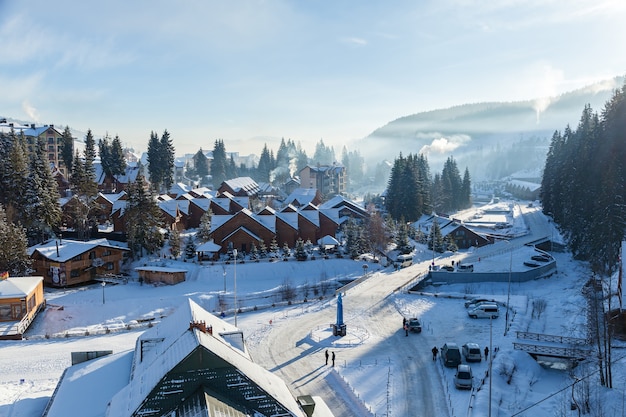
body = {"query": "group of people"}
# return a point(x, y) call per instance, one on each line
point(333, 357)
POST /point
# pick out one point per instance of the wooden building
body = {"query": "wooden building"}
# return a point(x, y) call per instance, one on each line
point(69, 262)
point(21, 298)
point(161, 275)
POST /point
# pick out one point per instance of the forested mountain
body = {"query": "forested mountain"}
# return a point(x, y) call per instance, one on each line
point(583, 185)
point(492, 139)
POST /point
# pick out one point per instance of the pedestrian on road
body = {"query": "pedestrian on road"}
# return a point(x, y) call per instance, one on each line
point(326, 356)
point(403, 321)
point(486, 352)
point(406, 329)
point(435, 351)
point(333, 358)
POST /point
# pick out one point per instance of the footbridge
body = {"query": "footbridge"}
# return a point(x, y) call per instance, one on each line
point(553, 346)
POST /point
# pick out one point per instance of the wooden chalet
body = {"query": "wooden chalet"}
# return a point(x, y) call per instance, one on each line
point(21, 298)
point(192, 363)
point(69, 262)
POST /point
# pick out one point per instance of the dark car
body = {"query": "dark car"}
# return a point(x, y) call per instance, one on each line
point(415, 325)
point(451, 355)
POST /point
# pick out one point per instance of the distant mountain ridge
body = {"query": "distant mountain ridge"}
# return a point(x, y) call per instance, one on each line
point(474, 130)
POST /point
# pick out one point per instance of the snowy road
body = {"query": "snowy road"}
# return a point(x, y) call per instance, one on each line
point(291, 349)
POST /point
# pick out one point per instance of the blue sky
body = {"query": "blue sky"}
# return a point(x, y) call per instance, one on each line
point(249, 72)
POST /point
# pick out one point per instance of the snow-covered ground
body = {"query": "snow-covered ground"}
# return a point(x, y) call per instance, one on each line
point(372, 364)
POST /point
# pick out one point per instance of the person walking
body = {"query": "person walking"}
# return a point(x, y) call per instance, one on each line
point(435, 352)
point(326, 356)
point(333, 358)
point(406, 329)
point(486, 352)
point(403, 321)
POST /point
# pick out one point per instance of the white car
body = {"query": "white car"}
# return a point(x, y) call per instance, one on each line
point(471, 352)
point(463, 378)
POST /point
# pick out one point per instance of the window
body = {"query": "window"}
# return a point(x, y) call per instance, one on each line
point(50, 148)
point(51, 140)
point(109, 266)
point(75, 273)
point(50, 157)
point(78, 257)
point(92, 254)
point(106, 252)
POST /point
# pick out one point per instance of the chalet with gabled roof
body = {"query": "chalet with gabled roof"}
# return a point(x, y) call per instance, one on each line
point(240, 187)
point(70, 262)
point(192, 363)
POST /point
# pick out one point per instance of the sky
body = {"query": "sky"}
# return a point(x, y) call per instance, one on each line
point(371, 359)
point(252, 72)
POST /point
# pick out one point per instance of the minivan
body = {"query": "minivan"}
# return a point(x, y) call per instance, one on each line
point(451, 354)
point(404, 260)
point(484, 311)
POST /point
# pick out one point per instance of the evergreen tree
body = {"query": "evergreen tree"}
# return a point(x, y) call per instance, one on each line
point(14, 256)
point(155, 161)
point(231, 168)
point(204, 229)
point(466, 191)
point(300, 252)
point(274, 247)
point(90, 187)
point(45, 210)
point(265, 165)
point(201, 166)
point(143, 219)
point(402, 238)
point(117, 157)
point(302, 160)
point(67, 149)
point(435, 239)
point(286, 250)
point(167, 151)
point(78, 178)
point(175, 243)
point(15, 180)
point(218, 166)
point(254, 252)
point(262, 249)
point(190, 248)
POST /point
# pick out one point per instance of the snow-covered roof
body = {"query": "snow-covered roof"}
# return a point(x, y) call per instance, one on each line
point(243, 184)
point(209, 246)
point(13, 287)
point(63, 250)
point(328, 240)
point(87, 388)
point(160, 269)
point(170, 206)
point(178, 189)
point(112, 197)
point(159, 349)
point(301, 196)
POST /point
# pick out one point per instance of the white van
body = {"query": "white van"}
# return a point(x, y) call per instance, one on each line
point(484, 311)
point(404, 260)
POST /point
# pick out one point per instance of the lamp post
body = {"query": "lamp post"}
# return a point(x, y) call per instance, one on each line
point(103, 285)
point(508, 295)
point(236, 308)
point(490, 360)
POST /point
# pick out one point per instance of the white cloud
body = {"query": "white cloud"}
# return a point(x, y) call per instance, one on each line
point(355, 41)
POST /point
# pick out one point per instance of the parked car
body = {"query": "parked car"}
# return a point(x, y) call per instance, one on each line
point(463, 378)
point(415, 325)
point(448, 268)
point(450, 354)
point(484, 311)
point(471, 352)
point(475, 301)
point(465, 267)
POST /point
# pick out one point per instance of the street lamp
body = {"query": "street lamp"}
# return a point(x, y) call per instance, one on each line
point(103, 284)
point(508, 294)
point(490, 360)
point(235, 255)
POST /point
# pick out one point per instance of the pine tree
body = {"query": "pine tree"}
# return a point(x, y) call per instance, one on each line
point(254, 252)
point(218, 166)
point(201, 166)
point(90, 186)
point(286, 250)
point(262, 249)
point(155, 161)
point(265, 165)
point(274, 247)
point(67, 149)
point(143, 219)
point(14, 256)
point(190, 248)
point(166, 148)
point(175, 243)
point(402, 238)
point(117, 157)
point(204, 229)
point(299, 251)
